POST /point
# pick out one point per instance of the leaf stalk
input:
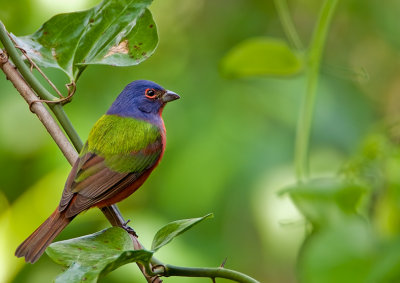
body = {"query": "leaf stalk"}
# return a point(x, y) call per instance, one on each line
point(287, 24)
point(307, 107)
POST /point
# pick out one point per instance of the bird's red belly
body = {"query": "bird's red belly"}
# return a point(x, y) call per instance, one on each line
point(130, 189)
point(125, 192)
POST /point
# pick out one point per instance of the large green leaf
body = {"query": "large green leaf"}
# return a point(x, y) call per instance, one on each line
point(326, 202)
point(173, 229)
point(115, 32)
point(90, 257)
point(387, 264)
point(343, 253)
point(261, 56)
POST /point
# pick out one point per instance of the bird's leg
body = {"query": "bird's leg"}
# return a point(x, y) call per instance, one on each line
point(114, 216)
point(129, 229)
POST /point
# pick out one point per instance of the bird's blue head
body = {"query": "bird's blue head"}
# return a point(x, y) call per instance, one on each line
point(143, 100)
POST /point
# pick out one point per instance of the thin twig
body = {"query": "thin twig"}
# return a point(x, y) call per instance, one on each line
point(41, 112)
point(71, 91)
point(34, 65)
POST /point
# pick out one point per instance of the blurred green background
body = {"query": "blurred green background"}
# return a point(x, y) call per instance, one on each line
point(230, 142)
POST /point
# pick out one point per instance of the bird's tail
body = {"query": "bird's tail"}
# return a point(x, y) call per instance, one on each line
point(34, 246)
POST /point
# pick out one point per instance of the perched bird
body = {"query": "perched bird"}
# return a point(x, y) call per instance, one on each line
point(123, 148)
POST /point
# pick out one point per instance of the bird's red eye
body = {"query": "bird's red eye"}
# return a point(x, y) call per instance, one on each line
point(150, 93)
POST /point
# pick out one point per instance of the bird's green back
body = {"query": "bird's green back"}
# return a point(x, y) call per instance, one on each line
point(112, 135)
point(122, 141)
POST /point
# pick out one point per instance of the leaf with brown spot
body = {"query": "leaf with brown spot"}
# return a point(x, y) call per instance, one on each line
point(105, 34)
point(122, 48)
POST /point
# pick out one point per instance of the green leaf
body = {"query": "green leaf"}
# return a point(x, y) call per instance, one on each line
point(326, 201)
point(115, 32)
point(90, 257)
point(173, 229)
point(387, 264)
point(344, 253)
point(261, 56)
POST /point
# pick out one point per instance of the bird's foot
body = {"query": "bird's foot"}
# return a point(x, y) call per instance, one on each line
point(128, 228)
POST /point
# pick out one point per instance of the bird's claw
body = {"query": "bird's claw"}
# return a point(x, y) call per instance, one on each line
point(129, 229)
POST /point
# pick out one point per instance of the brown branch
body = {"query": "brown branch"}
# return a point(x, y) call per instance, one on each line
point(112, 213)
point(38, 108)
point(34, 65)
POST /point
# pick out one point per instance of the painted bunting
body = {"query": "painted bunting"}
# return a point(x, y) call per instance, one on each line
point(123, 148)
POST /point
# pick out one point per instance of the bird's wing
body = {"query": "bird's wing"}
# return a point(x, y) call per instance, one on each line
point(92, 180)
point(119, 150)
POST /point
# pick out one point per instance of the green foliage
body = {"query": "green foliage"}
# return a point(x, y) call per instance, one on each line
point(349, 240)
point(261, 56)
point(344, 253)
point(115, 32)
point(167, 233)
point(326, 202)
point(386, 267)
point(340, 239)
point(341, 244)
point(91, 257)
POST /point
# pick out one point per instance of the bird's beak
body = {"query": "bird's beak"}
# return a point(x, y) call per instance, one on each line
point(169, 96)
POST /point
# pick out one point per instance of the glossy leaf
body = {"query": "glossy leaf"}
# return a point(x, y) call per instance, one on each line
point(115, 32)
point(261, 56)
point(90, 257)
point(326, 201)
point(167, 233)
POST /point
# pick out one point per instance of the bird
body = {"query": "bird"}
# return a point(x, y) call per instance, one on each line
point(124, 146)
